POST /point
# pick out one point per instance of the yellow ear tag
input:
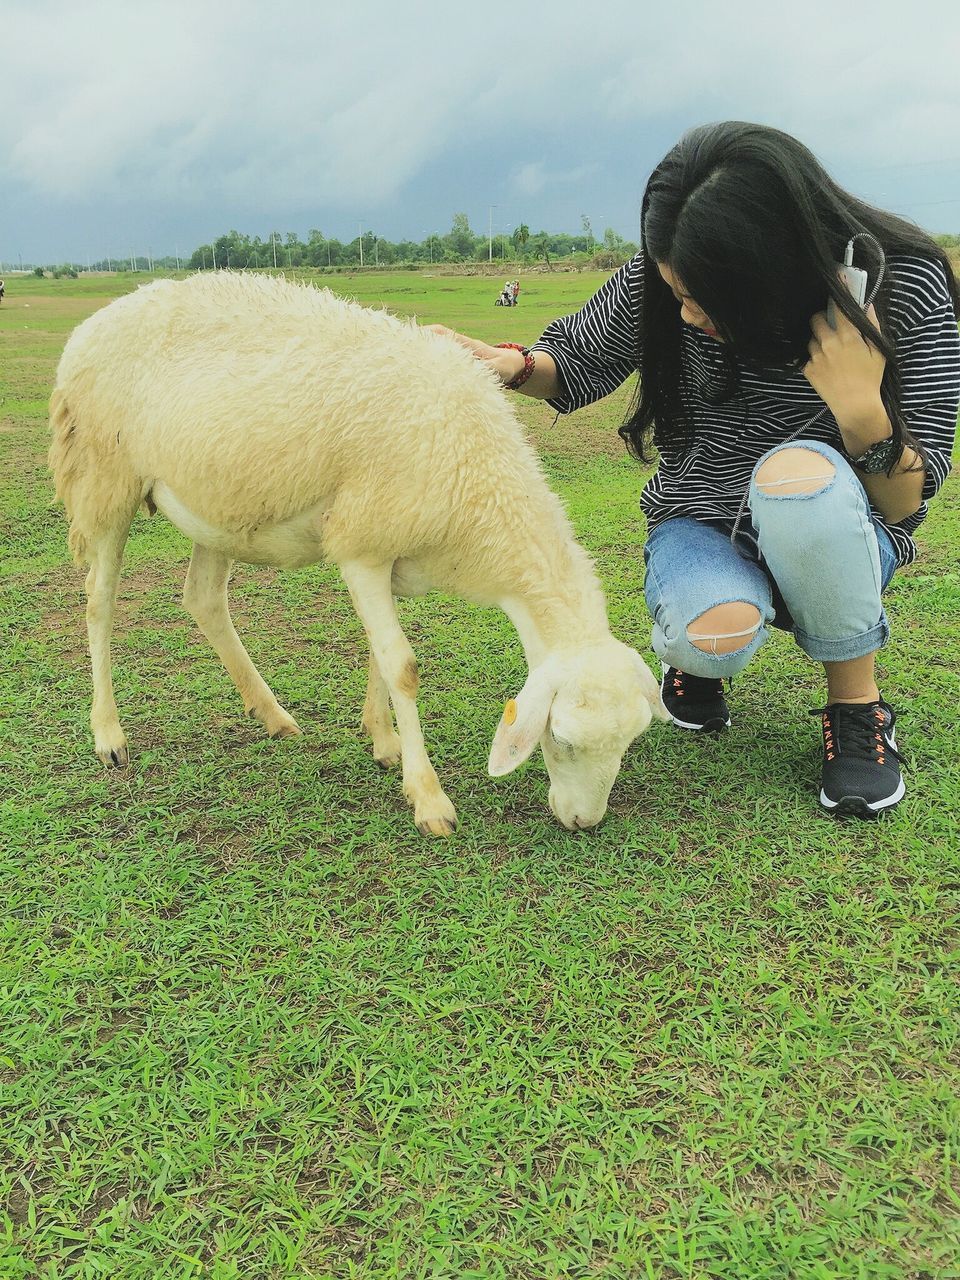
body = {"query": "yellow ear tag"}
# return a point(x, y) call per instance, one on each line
point(510, 712)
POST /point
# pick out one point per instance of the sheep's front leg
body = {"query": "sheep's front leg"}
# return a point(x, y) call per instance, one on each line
point(372, 596)
point(205, 599)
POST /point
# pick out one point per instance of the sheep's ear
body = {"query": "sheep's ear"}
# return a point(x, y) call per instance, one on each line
point(521, 726)
point(651, 689)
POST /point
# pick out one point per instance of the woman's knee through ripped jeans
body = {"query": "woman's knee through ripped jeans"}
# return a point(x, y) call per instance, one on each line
point(820, 555)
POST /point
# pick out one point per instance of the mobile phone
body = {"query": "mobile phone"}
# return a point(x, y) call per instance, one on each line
point(855, 278)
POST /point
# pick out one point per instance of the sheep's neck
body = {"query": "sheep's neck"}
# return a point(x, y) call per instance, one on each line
point(551, 593)
point(546, 620)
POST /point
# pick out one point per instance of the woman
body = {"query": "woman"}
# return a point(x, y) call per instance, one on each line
point(796, 452)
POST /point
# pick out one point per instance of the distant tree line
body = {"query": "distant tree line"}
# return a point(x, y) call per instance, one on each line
point(236, 250)
point(460, 244)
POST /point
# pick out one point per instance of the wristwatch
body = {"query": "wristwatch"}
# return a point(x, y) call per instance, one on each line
point(878, 457)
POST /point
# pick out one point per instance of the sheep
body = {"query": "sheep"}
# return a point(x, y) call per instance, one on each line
point(275, 423)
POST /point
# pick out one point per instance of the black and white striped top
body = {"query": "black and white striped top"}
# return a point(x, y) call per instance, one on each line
point(595, 350)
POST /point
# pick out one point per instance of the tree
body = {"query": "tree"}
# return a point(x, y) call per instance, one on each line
point(294, 250)
point(459, 242)
point(520, 237)
point(232, 250)
point(541, 247)
point(315, 250)
point(432, 249)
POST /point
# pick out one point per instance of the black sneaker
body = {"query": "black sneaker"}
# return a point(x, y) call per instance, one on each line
point(694, 702)
point(861, 764)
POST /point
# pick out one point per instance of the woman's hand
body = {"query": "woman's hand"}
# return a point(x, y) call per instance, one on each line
point(846, 370)
point(505, 362)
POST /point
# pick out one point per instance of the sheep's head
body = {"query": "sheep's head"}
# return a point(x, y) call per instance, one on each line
point(584, 707)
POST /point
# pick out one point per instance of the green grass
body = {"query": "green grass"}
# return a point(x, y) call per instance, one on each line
point(254, 1026)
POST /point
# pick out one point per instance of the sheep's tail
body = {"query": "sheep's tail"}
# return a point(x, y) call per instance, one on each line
point(92, 475)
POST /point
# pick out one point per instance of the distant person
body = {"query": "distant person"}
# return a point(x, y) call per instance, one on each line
point(797, 451)
point(506, 296)
point(515, 290)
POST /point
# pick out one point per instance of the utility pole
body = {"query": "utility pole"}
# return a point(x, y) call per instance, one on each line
point(273, 241)
point(361, 244)
point(490, 234)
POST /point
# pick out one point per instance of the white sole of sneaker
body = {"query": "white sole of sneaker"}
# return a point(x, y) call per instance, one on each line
point(711, 726)
point(857, 806)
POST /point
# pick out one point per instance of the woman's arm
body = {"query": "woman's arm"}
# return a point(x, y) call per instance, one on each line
point(846, 371)
point(507, 364)
point(895, 495)
point(582, 357)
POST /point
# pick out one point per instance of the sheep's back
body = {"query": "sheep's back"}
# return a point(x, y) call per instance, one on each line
point(255, 399)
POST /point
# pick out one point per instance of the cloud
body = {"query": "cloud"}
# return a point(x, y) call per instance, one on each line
point(533, 178)
point(242, 109)
point(845, 79)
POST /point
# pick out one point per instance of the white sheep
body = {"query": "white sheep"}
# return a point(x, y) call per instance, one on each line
point(278, 424)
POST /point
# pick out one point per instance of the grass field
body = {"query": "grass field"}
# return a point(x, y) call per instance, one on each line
point(255, 1027)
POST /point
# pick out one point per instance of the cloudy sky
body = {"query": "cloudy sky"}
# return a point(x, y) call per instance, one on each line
point(158, 124)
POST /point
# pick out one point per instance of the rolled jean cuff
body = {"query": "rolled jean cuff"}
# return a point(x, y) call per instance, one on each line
point(823, 650)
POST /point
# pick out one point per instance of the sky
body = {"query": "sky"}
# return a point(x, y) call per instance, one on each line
point(153, 126)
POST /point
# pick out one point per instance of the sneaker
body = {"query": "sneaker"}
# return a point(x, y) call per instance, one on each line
point(694, 702)
point(861, 764)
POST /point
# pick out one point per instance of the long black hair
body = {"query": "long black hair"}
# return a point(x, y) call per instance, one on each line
point(749, 222)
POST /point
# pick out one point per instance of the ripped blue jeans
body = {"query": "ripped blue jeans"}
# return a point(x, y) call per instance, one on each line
point(813, 563)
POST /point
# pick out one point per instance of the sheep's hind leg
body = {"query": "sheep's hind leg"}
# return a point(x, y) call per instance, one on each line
point(106, 557)
point(370, 590)
point(378, 720)
point(205, 599)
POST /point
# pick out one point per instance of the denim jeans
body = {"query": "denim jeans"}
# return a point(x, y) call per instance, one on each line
point(812, 563)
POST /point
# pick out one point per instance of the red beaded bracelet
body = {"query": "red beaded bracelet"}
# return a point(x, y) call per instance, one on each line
point(528, 365)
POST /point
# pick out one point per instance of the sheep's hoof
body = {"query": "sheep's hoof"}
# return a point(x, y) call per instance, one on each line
point(437, 817)
point(291, 730)
point(387, 754)
point(385, 741)
point(437, 826)
point(115, 757)
point(277, 722)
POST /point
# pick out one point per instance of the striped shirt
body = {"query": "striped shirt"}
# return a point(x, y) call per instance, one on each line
point(595, 350)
